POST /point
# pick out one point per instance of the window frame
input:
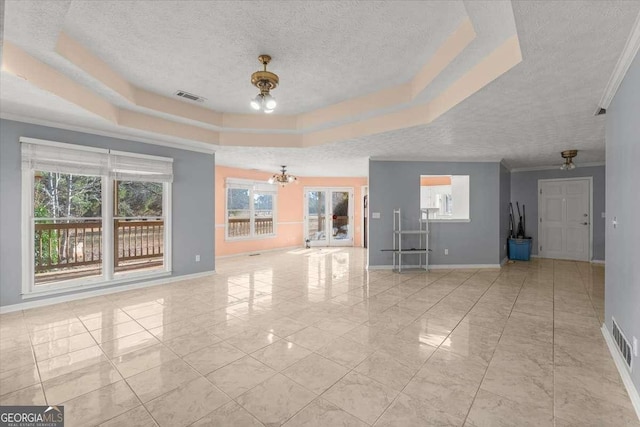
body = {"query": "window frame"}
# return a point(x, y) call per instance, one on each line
point(30, 289)
point(239, 184)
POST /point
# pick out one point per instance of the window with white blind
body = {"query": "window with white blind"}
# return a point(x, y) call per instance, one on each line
point(250, 209)
point(93, 216)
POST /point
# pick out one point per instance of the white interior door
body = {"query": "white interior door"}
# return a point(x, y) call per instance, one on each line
point(564, 221)
point(328, 216)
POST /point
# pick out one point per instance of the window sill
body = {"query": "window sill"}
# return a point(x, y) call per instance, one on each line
point(62, 288)
point(450, 220)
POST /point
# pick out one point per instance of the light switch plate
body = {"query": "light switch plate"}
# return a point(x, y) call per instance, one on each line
point(375, 215)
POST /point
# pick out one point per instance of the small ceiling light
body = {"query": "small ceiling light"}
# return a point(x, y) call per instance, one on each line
point(282, 178)
point(265, 81)
point(568, 156)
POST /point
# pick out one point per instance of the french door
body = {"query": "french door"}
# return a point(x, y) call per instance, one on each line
point(564, 219)
point(328, 216)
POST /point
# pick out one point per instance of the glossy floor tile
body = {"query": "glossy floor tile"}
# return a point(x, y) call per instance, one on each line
point(310, 338)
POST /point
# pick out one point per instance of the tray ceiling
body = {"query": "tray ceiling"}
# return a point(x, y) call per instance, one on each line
point(434, 80)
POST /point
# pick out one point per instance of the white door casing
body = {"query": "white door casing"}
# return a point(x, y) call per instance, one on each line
point(564, 219)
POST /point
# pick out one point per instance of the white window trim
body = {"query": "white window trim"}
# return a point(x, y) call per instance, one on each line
point(31, 290)
point(242, 184)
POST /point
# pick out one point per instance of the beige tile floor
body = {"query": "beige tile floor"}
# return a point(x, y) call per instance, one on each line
point(310, 338)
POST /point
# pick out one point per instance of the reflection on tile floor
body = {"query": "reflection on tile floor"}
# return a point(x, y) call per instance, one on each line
point(309, 337)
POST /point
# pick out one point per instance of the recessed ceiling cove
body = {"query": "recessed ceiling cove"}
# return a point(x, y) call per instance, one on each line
point(347, 69)
point(456, 80)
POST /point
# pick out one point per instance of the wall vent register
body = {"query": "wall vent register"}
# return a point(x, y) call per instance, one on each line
point(623, 344)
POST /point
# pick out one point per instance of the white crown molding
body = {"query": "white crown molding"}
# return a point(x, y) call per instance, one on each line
point(104, 291)
point(543, 168)
point(624, 62)
point(435, 160)
point(199, 147)
point(634, 396)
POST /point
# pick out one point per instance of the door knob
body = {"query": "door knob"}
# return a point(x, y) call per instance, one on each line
point(585, 215)
point(585, 223)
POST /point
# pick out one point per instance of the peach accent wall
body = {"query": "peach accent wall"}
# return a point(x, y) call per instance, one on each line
point(289, 215)
point(435, 180)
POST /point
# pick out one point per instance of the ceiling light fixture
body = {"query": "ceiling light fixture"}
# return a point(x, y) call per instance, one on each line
point(282, 178)
point(265, 81)
point(568, 156)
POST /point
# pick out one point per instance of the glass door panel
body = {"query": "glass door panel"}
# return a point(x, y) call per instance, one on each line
point(317, 217)
point(340, 218)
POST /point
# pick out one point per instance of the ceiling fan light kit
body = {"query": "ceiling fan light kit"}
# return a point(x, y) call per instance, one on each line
point(265, 81)
point(568, 156)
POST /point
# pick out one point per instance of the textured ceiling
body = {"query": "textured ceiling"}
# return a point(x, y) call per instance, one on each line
point(324, 52)
point(542, 106)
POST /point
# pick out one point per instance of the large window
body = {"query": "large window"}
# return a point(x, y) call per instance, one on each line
point(250, 209)
point(445, 196)
point(92, 216)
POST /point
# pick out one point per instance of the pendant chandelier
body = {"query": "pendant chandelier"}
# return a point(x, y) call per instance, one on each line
point(568, 156)
point(282, 178)
point(265, 81)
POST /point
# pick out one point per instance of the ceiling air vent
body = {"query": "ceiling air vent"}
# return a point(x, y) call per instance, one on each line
point(190, 96)
point(622, 343)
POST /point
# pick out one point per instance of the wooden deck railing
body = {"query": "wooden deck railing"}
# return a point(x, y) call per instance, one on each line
point(79, 244)
point(137, 240)
point(67, 244)
point(239, 227)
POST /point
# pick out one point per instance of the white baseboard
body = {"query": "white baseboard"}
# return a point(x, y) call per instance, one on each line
point(436, 267)
point(288, 248)
point(106, 291)
point(598, 261)
point(389, 267)
point(622, 369)
point(465, 266)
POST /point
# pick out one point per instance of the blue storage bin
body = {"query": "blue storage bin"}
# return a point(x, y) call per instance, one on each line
point(520, 249)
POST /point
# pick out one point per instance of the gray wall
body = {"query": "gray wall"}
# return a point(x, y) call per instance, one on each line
point(524, 189)
point(193, 201)
point(622, 282)
point(397, 185)
point(505, 198)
